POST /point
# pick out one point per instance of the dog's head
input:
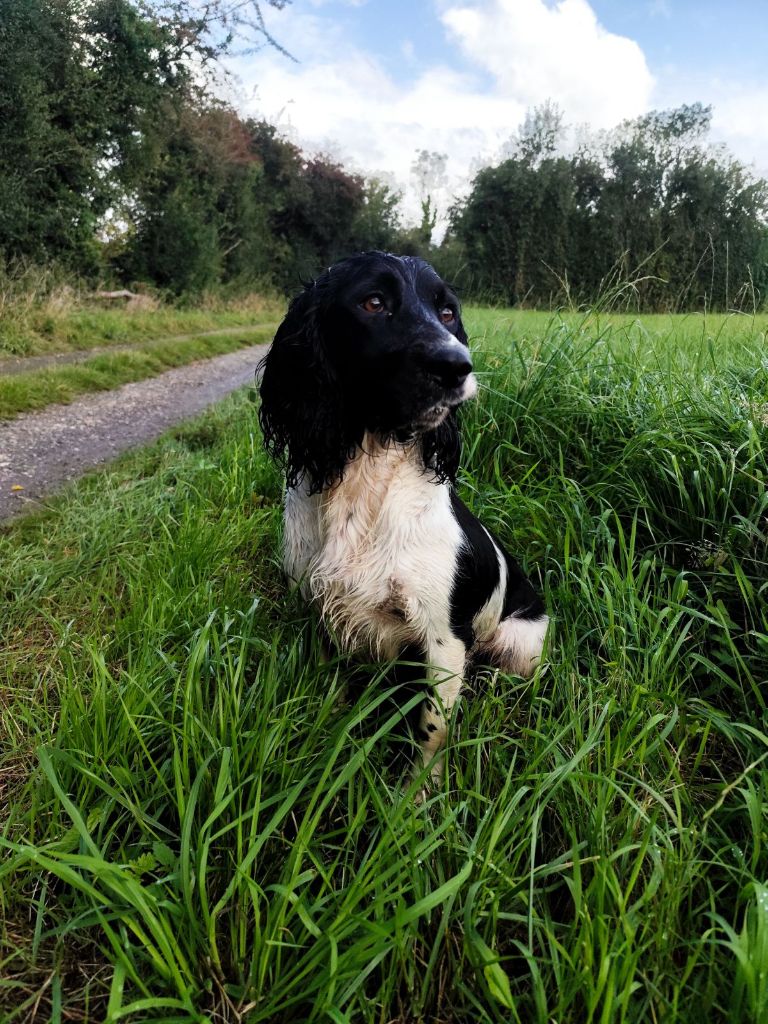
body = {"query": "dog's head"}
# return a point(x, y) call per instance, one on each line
point(375, 344)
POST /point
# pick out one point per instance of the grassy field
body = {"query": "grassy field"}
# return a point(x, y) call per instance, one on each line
point(196, 825)
point(37, 322)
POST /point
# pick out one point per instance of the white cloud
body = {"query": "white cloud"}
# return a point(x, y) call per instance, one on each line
point(739, 109)
point(518, 53)
point(740, 119)
point(536, 52)
point(743, 114)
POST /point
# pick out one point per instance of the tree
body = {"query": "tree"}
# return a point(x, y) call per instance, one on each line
point(90, 100)
point(428, 171)
point(196, 220)
point(51, 129)
point(515, 229)
point(377, 223)
point(311, 206)
point(83, 86)
point(652, 195)
point(539, 135)
point(714, 223)
point(209, 29)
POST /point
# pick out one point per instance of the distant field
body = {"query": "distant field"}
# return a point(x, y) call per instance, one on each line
point(197, 827)
point(64, 324)
point(680, 330)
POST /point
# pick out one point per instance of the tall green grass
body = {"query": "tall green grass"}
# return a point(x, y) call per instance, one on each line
point(45, 311)
point(199, 826)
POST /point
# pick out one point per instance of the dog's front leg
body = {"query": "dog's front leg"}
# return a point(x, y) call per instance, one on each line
point(446, 657)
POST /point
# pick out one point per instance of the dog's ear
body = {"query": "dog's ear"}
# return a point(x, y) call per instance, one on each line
point(441, 449)
point(461, 334)
point(302, 415)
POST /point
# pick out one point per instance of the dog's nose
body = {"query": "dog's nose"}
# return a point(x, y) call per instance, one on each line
point(451, 365)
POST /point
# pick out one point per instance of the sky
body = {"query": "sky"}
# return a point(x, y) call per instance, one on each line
point(375, 81)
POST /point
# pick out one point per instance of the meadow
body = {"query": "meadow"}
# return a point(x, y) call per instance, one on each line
point(42, 314)
point(197, 823)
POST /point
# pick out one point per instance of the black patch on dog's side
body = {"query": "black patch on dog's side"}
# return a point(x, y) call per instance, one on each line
point(520, 597)
point(477, 572)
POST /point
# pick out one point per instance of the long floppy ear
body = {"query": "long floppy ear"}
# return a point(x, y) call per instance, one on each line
point(461, 334)
point(302, 411)
point(441, 449)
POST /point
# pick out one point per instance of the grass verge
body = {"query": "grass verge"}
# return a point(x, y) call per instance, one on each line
point(188, 798)
point(25, 392)
point(50, 318)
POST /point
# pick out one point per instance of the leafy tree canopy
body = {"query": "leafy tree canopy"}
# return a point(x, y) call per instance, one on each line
point(653, 196)
point(117, 161)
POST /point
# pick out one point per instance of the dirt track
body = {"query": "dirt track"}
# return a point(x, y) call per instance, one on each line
point(41, 451)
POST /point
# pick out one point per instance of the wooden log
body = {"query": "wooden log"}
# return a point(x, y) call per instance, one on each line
point(123, 293)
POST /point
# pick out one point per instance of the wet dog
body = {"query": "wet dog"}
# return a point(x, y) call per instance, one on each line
point(358, 401)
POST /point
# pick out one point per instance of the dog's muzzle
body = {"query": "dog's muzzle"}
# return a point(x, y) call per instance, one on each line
point(449, 369)
point(449, 365)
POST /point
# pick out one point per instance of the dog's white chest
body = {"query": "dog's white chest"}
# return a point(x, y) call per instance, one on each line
point(376, 551)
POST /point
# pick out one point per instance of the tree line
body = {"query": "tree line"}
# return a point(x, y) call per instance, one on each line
point(651, 204)
point(118, 162)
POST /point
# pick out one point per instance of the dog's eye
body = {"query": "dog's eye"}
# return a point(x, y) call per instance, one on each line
point(446, 314)
point(373, 304)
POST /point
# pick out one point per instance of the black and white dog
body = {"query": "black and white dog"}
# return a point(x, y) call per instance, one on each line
point(358, 399)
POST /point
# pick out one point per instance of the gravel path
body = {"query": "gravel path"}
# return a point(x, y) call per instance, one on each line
point(41, 451)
